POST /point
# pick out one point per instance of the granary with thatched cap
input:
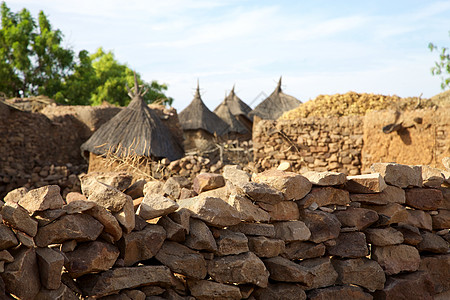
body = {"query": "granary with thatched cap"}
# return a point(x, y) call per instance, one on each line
point(200, 124)
point(238, 109)
point(136, 130)
point(275, 105)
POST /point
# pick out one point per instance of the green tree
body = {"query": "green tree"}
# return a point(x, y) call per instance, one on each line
point(442, 68)
point(32, 60)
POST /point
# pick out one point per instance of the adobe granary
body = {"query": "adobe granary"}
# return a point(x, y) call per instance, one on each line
point(275, 105)
point(199, 124)
point(136, 130)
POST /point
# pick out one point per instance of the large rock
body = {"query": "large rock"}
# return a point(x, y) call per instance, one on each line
point(359, 218)
point(200, 237)
point(91, 257)
point(438, 269)
point(50, 264)
point(432, 177)
point(424, 199)
point(235, 175)
point(46, 197)
point(293, 186)
point(136, 190)
point(48, 216)
point(174, 231)
point(323, 226)
point(441, 220)
point(282, 269)
point(248, 211)
point(394, 212)
point(154, 205)
point(154, 187)
point(206, 290)
point(360, 271)
point(399, 175)
point(291, 231)
point(114, 280)
point(339, 293)
point(383, 236)
point(79, 227)
point(324, 196)
point(141, 245)
point(415, 285)
point(349, 244)
point(207, 181)
point(282, 211)
point(326, 178)
point(397, 258)
point(303, 250)
point(239, 269)
point(118, 180)
point(391, 194)
point(172, 187)
point(213, 211)
point(105, 217)
point(419, 219)
point(432, 243)
point(230, 242)
point(261, 192)
point(265, 247)
point(285, 291)
point(323, 272)
point(7, 237)
point(17, 217)
point(107, 196)
point(365, 183)
point(411, 234)
point(126, 216)
point(256, 229)
point(15, 195)
point(181, 259)
point(21, 277)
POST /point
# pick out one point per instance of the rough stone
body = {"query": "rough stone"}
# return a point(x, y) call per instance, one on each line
point(235, 175)
point(7, 237)
point(154, 187)
point(174, 231)
point(432, 177)
point(181, 259)
point(91, 257)
point(419, 219)
point(154, 205)
point(365, 183)
point(363, 272)
point(47, 216)
point(339, 293)
point(357, 217)
point(136, 190)
point(293, 186)
point(207, 181)
point(78, 206)
point(265, 247)
point(141, 245)
point(63, 293)
point(437, 268)
point(323, 226)
point(432, 242)
point(324, 196)
point(50, 263)
point(303, 250)
point(183, 217)
point(399, 175)
point(107, 196)
point(397, 258)
point(21, 277)
point(206, 290)
point(290, 231)
point(75, 196)
point(17, 217)
point(261, 192)
point(239, 269)
point(24, 239)
point(441, 220)
point(6, 256)
point(110, 223)
point(114, 280)
point(383, 236)
point(375, 198)
point(282, 211)
point(126, 216)
point(79, 227)
point(200, 237)
point(230, 242)
point(256, 229)
point(285, 291)
point(350, 245)
point(395, 212)
point(326, 178)
point(424, 199)
point(46, 197)
point(15, 195)
point(173, 186)
point(118, 180)
point(282, 269)
point(322, 270)
point(394, 194)
point(249, 212)
point(214, 211)
point(415, 285)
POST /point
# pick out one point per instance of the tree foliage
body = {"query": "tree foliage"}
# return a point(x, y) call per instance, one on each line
point(33, 62)
point(442, 67)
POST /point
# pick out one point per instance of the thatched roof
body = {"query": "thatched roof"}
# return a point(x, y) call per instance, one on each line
point(275, 105)
point(224, 112)
point(197, 116)
point(236, 105)
point(136, 129)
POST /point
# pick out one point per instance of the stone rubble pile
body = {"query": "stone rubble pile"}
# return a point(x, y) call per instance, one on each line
point(272, 235)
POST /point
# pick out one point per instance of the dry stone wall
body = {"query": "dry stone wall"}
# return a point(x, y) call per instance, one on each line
point(272, 235)
point(319, 144)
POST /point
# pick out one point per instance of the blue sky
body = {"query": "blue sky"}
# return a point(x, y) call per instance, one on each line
point(319, 47)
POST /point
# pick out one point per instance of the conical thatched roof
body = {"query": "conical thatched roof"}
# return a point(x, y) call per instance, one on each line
point(224, 112)
point(197, 116)
point(136, 129)
point(275, 105)
point(236, 105)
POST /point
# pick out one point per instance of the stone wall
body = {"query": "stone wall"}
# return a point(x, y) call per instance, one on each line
point(320, 144)
point(273, 235)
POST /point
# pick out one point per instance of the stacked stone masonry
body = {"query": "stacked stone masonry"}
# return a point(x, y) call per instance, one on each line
point(271, 235)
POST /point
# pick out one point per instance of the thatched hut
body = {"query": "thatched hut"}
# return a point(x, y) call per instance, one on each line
point(136, 130)
point(200, 125)
point(275, 105)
